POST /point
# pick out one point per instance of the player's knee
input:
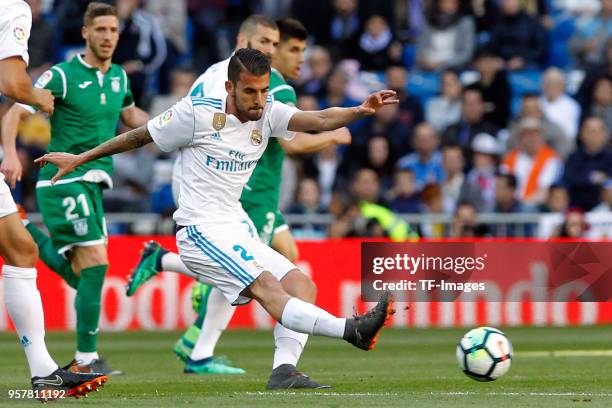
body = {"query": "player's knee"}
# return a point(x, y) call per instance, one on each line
point(266, 285)
point(26, 251)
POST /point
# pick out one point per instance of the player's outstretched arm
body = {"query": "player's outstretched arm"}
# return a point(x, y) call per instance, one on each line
point(334, 118)
point(11, 165)
point(306, 143)
point(16, 84)
point(66, 162)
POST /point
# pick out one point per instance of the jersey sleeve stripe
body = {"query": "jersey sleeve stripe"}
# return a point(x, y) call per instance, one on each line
point(207, 104)
point(200, 98)
point(64, 82)
point(125, 81)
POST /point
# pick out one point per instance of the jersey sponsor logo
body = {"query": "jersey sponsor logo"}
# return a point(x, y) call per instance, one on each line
point(256, 137)
point(85, 84)
point(102, 99)
point(44, 79)
point(20, 34)
point(80, 227)
point(115, 84)
point(229, 166)
point(219, 121)
point(164, 118)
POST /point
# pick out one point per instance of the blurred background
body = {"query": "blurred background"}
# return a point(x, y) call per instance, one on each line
point(480, 82)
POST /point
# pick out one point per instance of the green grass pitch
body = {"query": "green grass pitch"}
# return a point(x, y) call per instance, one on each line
point(411, 367)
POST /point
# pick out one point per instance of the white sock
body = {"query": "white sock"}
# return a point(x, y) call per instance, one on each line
point(84, 358)
point(171, 262)
point(305, 317)
point(25, 308)
point(219, 312)
point(289, 346)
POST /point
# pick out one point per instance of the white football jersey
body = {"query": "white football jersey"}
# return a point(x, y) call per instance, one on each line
point(211, 83)
point(218, 153)
point(15, 26)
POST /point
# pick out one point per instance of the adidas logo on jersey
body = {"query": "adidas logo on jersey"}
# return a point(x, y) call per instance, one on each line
point(216, 136)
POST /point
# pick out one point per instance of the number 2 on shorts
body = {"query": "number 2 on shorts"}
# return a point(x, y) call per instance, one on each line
point(244, 254)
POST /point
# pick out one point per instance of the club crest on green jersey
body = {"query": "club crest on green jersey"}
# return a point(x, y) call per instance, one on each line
point(80, 227)
point(256, 137)
point(115, 84)
point(219, 121)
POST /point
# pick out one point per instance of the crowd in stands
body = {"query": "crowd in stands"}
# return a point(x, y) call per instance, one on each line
point(505, 105)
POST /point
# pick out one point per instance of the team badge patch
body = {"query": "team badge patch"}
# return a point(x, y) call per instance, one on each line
point(44, 79)
point(219, 121)
point(20, 34)
point(165, 117)
point(256, 137)
point(115, 84)
point(80, 227)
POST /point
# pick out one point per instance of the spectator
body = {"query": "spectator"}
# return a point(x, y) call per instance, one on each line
point(535, 165)
point(378, 160)
point(465, 223)
point(590, 36)
point(444, 110)
point(448, 40)
point(172, 17)
point(336, 91)
point(453, 164)
point(403, 197)
point(557, 106)
point(494, 86)
point(433, 204)
point(472, 121)
point(182, 79)
point(590, 166)
point(602, 101)
point(479, 186)
point(40, 45)
point(410, 109)
point(506, 203)
point(377, 47)
point(426, 161)
point(308, 203)
point(531, 107)
point(319, 69)
point(557, 200)
point(592, 75)
point(141, 49)
point(518, 38)
point(574, 226)
point(323, 167)
point(605, 205)
point(343, 30)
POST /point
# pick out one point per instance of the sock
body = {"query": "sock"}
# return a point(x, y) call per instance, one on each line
point(85, 358)
point(190, 337)
point(215, 317)
point(25, 308)
point(87, 304)
point(305, 317)
point(289, 346)
point(49, 255)
point(171, 262)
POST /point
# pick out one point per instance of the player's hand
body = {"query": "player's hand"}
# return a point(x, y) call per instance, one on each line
point(376, 101)
point(65, 163)
point(11, 168)
point(44, 100)
point(342, 136)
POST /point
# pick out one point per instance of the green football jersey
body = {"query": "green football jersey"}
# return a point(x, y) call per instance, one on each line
point(87, 108)
point(263, 187)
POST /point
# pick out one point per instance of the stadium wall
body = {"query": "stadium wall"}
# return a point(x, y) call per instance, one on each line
point(165, 302)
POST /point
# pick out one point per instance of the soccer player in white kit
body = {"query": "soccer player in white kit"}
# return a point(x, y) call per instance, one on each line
point(220, 141)
point(17, 248)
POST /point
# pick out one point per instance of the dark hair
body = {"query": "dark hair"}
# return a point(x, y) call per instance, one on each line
point(97, 9)
point(249, 25)
point(248, 60)
point(472, 88)
point(291, 28)
point(510, 179)
point(529, 95)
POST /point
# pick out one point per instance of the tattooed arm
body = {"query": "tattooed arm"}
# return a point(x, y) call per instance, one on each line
point(66, 162)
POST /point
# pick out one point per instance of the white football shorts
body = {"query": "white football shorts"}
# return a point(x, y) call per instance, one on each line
point(229, 256)
point(7, 204)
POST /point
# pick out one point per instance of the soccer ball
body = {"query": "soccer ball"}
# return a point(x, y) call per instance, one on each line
point(484, 354)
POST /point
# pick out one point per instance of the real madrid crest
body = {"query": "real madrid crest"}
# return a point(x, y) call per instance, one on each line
point(219, 121)
point(256, 137)
point(116, 84)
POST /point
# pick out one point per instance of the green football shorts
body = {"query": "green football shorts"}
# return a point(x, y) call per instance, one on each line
point(267, 221)
point(73, 214)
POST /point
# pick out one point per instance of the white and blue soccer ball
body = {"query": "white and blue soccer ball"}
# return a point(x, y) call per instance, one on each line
point(484, 354)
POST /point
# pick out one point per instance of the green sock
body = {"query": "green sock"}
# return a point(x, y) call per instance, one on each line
point(49, 255)
point(87, 303)
point(193, 332)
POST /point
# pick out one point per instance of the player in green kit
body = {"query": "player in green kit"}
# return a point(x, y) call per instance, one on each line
point(91, 94)
point(260, 201)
